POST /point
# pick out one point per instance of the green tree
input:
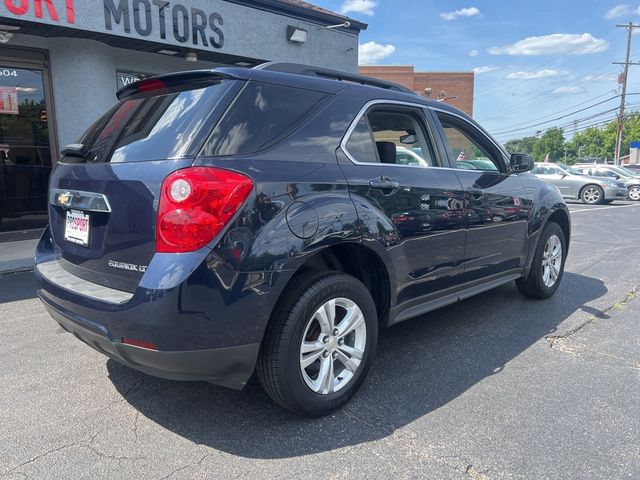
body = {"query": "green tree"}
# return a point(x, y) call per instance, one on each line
point(521, 145)
point(551, 143)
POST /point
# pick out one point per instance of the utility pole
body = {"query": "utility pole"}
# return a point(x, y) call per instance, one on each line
point(629, 26)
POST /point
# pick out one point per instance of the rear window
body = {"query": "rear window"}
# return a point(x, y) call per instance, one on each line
point(153, 127)
point(262, 115)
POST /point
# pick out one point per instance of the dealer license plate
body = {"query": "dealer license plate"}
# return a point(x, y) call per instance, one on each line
point(76, 229)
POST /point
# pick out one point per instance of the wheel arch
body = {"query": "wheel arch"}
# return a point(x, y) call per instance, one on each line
point(358, 261)
point(559, 216)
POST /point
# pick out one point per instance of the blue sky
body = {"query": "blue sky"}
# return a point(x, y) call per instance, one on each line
point(534, 61)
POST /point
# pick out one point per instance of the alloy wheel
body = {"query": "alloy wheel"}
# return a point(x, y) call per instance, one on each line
point(634, 193)
point(333, 346)
point(551, 261)
point(591, 195)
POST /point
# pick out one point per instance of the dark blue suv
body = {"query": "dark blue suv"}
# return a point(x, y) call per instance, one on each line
point(216, 223)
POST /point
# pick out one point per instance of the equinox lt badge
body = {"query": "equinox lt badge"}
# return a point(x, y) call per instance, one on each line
point(127, 266)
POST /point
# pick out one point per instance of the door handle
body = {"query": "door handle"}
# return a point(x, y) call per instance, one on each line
point(385, 184)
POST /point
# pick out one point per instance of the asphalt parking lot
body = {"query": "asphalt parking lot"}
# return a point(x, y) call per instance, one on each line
point(495, 387)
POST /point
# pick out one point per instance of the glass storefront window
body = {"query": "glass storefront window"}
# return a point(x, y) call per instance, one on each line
point(25, 153)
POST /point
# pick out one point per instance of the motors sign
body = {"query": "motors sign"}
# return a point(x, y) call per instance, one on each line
point(162, 21)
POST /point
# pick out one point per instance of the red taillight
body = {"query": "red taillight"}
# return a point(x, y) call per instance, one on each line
point(195, 205)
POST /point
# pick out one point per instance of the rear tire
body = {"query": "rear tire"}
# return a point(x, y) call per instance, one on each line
point(310, 363)
point(634, 193)
point(547, 266)
point(592, 195)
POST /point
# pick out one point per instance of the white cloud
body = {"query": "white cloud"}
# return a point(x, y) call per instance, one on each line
point(533, 75)
point(567, 91)
point(372, 52)
point(554, 44)
point(485, 69)
point(474, 53)
point(463, 12)
point(603, 77)
point(623, 10)
point(358, 6)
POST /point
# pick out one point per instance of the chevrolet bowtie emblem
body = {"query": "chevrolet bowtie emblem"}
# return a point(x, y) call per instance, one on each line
point(64, 199)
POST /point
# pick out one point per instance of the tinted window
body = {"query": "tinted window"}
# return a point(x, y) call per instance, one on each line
point(391, 135)
point(261, 115)
point(467, 145)
point(153, 127)
point(360, 144)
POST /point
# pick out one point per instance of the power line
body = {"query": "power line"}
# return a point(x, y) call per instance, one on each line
point(568, 108)
point(564, 125)
point(557, 118)
point(493, 87)
point(537, 102)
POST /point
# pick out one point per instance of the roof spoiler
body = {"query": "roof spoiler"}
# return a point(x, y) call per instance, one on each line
point(308, 70)
point(175, 81)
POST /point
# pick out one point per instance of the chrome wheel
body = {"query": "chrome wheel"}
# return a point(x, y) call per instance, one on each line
point(591, 195)
point(634, 193)
point(551, 261)
point(333, 346)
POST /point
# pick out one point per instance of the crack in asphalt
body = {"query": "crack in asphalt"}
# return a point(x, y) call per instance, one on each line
point(184, 467)
point(41, 455)
point(393, 434)
point(475, 474)
point(602, 314)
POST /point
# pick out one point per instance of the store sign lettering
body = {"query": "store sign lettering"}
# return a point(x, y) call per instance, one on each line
point(163, 18)
point(185, 24)
point(21, 7)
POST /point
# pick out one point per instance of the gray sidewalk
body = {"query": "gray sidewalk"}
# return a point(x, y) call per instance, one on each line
point(17, 256)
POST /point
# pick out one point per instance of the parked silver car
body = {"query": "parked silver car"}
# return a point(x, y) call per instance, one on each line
point(574, 184)
point(630, 179)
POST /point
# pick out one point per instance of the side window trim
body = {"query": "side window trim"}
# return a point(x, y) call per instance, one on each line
point(422, 118)
point(484, 139)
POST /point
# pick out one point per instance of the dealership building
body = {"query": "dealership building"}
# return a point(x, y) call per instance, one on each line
point(62, 61)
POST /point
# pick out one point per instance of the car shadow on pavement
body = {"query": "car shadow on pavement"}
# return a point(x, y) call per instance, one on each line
point(17, 286)
point(421, 365)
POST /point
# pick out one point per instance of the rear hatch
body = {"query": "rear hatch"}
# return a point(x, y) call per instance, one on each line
point(104, 192)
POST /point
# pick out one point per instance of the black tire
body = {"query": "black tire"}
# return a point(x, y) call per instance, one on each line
point(634, 193)
point(279, 368)
point(533, 286)
point(588, 193)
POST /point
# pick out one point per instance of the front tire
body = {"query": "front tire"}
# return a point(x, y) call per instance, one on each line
point(592, 195)
point(320, 343)
point(547, 266)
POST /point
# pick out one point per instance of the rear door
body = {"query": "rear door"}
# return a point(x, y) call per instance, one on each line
point(552, 174)
point(495, 207)
point(408, 202)
point(104, 192)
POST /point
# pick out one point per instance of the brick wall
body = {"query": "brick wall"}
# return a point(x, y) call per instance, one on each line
point(454, 84)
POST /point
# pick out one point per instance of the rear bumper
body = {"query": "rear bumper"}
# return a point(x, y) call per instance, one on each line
point(229, 366)
point(204, 320)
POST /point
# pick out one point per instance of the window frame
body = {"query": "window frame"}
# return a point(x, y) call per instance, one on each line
point(422, 118)
point(477, 134)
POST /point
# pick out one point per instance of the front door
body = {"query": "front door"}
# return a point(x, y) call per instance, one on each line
point(407, 204)
point(554, 175)
point(25, 149)
point(495, 206)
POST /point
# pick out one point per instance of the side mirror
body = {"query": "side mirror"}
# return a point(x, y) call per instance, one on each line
point(521, 162)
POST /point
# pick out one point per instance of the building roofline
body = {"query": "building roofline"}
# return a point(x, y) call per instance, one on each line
point(304, 11)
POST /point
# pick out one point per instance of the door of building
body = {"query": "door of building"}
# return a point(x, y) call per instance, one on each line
point(25, 144)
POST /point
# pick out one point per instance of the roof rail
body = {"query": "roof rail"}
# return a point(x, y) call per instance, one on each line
point(309, 70)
